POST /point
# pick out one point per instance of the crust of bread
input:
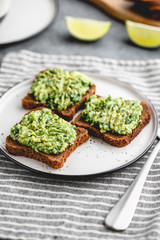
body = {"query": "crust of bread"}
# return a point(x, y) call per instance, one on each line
point(115, 139)
point(29, 102)
point(54, 161)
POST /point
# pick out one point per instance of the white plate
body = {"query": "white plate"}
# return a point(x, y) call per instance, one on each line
point(4, 7)
point(26, 18)
point(95, 156)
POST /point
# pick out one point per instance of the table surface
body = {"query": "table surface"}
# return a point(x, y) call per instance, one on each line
point(56, 40)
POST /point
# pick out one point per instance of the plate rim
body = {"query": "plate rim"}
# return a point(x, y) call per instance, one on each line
point(92, 175)
point(52, 21)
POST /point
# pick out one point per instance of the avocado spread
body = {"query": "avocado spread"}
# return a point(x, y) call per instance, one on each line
point(60, 89)
point(44, 131)
point(114, 115)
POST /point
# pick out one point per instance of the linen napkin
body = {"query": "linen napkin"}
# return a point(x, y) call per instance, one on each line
point(34, 207)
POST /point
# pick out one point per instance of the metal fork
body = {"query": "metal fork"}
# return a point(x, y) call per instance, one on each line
point(121, 214)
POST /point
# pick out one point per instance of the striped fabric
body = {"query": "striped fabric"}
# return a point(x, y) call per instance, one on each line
point(34, 207)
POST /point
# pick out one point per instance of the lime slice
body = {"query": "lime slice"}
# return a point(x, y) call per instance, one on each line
point(87, 29)
point(143, 35)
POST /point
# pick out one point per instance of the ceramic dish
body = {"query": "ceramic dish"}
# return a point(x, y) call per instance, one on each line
point(26, 19)
point(94, 157)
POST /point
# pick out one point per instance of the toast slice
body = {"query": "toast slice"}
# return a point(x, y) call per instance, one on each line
point(116, 139)
point(54, 161)
point(29, 102)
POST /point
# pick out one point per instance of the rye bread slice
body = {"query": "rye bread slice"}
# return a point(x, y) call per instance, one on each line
point(29, 102)
point(55, 160)
point(116, 139)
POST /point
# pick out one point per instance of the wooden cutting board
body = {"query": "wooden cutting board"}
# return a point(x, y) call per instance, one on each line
point(121, 10)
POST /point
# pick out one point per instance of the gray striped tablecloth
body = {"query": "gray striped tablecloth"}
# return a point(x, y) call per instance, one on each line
point(34, 207)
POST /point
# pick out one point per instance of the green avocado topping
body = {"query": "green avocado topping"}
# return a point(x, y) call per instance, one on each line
point(60, 89)
point(114, 115)
point(44, 131)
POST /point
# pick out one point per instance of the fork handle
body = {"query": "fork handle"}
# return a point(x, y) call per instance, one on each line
point(121, 214)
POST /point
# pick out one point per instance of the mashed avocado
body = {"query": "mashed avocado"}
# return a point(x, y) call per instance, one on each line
point(115, 115)
point(45, 132)
point(60, 89)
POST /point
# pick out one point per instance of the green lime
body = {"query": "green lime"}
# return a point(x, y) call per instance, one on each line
point(87, 29)
point(143, 35)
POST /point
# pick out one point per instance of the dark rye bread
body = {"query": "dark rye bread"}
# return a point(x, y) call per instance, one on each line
point(54, 161)
point(29, 102)
point(114, 138)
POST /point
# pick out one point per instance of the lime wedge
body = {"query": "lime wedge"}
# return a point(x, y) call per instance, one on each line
point(87, 29)
point(143, 35)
